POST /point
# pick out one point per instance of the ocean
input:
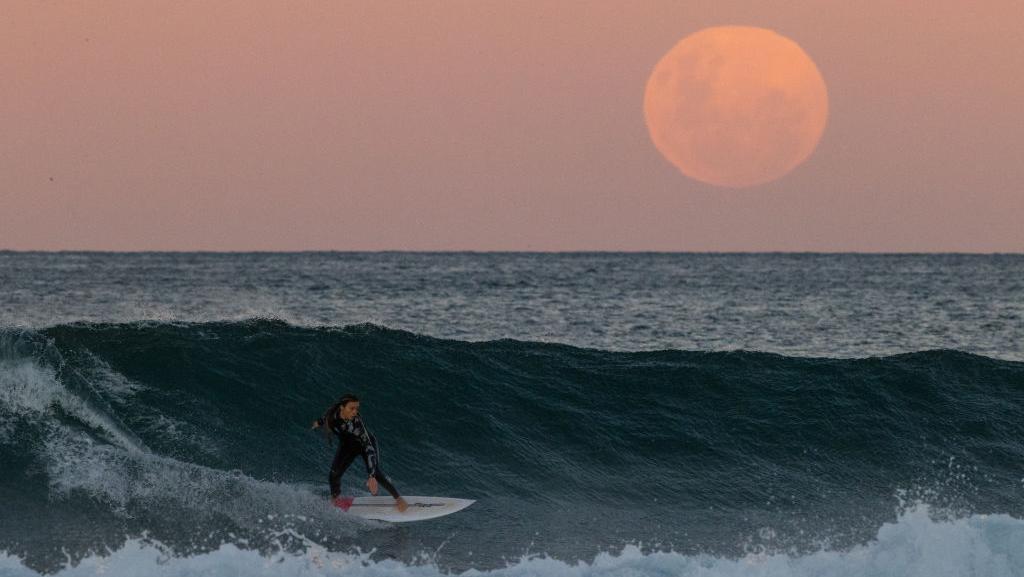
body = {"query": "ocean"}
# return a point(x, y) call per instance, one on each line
point(612, 414)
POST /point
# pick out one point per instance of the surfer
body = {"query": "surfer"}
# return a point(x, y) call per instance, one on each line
point(343, 420)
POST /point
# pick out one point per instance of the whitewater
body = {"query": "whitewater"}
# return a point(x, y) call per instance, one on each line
point(915, 546)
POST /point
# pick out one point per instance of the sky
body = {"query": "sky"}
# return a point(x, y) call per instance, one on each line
point(489, 126)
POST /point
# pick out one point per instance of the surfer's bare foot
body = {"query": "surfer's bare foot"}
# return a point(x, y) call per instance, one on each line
point(402, 505)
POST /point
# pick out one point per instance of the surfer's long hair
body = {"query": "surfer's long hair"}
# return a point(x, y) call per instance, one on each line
point(331, 416)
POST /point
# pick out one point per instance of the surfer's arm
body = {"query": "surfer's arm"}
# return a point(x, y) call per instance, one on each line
point(370, 449)
point(371, 464)
point(371, 461)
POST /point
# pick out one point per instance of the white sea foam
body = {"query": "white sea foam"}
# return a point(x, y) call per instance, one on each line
point(184, 434)
point(27, 388)
point(26, 391)
point(914, 546)
point(111, 465)
point(131, 482)
point(114, 385)
point(30, 389)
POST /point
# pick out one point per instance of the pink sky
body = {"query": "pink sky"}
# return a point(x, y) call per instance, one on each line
point(470, 125)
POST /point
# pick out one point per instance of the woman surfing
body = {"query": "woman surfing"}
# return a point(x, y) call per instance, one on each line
point(354, 440)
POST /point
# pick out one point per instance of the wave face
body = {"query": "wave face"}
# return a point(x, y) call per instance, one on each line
point(194, 438)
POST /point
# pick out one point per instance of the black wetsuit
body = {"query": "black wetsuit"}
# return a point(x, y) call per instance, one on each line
point(354, 440)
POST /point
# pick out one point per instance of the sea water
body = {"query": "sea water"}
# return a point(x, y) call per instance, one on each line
point(612, 414)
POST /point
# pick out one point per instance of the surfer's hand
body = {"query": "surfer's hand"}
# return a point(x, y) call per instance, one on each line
point(371, 484)
point(316, 425)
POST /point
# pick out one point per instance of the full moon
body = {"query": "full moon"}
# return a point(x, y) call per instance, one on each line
point(736, 106)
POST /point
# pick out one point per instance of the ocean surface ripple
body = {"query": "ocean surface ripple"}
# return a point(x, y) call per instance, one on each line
point(611, 414)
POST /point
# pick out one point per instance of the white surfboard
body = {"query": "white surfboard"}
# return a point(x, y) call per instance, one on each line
point(383, 508)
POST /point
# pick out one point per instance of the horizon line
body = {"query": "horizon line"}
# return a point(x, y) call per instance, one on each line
point(472, 251)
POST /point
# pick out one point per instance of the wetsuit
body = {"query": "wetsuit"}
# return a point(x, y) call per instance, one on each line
point(355, 440)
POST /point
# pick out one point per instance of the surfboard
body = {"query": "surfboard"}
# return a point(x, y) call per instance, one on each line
point(383, 508)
